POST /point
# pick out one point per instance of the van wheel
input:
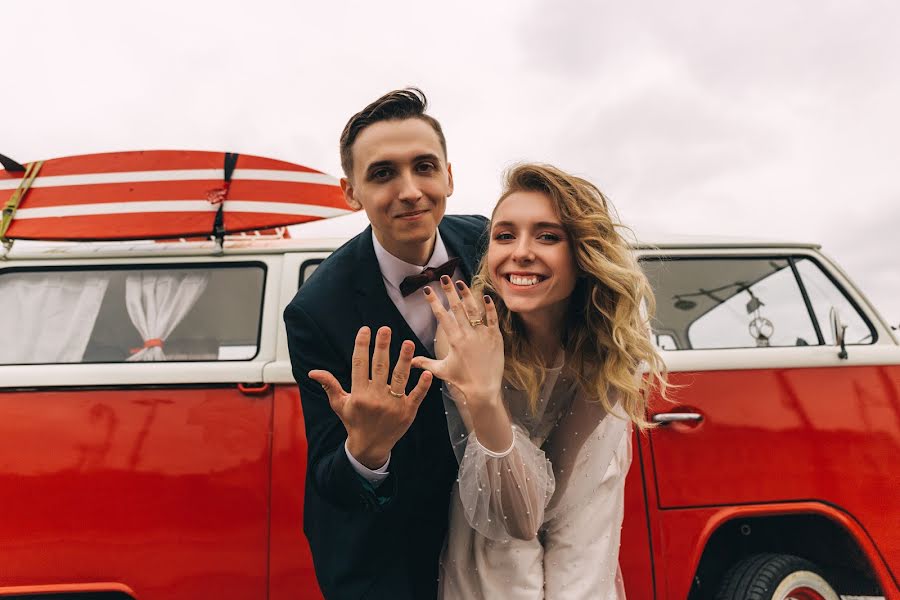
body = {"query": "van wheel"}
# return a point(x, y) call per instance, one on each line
point(775, 577)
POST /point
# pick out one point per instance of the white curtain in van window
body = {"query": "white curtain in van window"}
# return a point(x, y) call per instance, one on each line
point(48, 317)
point(157, 301)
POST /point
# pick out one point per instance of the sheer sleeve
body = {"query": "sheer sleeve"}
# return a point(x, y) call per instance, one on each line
point(503, 494)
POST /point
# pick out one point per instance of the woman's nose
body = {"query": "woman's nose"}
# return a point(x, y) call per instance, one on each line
point(523, 251)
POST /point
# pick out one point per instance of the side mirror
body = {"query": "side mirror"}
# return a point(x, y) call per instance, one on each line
point(838, 329)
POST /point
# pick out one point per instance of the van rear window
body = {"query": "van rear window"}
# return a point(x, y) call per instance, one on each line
point(135, 314)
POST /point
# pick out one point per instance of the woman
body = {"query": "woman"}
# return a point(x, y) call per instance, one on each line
point(543, 384)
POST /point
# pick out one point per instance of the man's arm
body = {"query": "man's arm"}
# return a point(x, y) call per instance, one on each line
point(369, 420)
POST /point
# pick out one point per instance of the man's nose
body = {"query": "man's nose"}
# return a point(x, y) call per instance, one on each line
point(409, 190)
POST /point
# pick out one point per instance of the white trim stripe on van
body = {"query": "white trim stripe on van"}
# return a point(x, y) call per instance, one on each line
point(170, 206)
point(178, 175)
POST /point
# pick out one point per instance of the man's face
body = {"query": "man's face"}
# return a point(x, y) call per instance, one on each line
point(402, 180)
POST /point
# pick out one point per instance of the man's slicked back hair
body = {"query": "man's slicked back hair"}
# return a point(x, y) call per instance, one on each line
point(409, 103)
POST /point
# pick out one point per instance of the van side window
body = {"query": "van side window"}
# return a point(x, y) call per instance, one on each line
point(705, 303)
point(135, 314)
point(307, 269)
point(824, 295)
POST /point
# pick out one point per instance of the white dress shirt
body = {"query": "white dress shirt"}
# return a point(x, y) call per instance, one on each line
point(414, 309)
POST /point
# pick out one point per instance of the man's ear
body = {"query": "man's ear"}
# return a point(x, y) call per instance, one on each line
point(347, 188)
point(450, 179)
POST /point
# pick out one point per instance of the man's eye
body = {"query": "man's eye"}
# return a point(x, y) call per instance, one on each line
point(380, 174)
point(426, 167)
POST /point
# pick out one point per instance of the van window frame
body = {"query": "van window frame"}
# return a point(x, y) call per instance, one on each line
point(790, 258)
point(5, 270)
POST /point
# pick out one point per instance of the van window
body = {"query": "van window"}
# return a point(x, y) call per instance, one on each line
point(705, 303)
point(308, 268)
point(824, 295)
point(189, 313)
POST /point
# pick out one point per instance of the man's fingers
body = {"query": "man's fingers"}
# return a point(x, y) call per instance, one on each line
point(401, 371)
point(336, 394)
point(359, 374)
point(418, 393)
point(381, 356)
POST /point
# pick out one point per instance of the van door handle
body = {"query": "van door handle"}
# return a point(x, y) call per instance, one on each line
point(253, 389)
point(666, 418)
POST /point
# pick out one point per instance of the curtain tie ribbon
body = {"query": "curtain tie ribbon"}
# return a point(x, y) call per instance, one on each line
point(151, 343)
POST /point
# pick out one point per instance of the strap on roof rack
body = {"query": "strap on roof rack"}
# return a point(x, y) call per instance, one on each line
point(219, 196)
point(10, 165)
point(12, 204)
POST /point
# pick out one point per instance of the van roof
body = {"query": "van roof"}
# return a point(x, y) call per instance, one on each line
point(254, 244)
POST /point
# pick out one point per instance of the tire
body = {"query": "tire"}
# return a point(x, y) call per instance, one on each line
point(775, 577)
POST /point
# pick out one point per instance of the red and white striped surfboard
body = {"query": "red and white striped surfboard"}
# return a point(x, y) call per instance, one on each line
point(163, 194)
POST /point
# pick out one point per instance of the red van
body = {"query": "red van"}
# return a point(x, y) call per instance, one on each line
point(152, 443)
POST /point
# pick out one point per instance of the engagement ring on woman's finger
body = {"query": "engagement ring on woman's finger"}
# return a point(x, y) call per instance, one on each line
point(475, 322)
point(395, 394)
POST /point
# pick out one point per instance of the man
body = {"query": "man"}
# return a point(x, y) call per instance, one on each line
point(380, 464)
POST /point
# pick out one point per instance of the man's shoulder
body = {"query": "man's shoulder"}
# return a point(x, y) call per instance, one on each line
point(332, 278)
point(468, 227)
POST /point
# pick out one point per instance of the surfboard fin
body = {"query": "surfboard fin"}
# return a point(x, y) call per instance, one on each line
point(11, 165)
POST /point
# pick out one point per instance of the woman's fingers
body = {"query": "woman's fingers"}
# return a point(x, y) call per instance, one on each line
point(444, 319)
point(401, 370)
point(490, 312)
point(456, 305)
point(474, 308)
point(428, 364)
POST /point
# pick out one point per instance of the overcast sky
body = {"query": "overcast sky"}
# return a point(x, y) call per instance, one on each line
point(766, 119)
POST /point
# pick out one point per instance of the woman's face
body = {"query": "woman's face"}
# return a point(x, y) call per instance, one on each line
point(530, 257)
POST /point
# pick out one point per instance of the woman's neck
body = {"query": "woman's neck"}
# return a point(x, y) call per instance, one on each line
point(544, 334)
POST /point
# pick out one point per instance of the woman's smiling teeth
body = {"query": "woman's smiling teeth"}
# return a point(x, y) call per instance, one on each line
point(524, 279)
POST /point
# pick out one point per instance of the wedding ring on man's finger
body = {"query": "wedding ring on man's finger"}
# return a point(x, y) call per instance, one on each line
point(395, 394)
point(475, 322)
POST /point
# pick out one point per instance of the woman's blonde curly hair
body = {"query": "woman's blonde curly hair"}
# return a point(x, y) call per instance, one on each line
point(606, 336)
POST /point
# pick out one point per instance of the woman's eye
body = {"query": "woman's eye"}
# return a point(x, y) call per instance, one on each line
point(549, 237)
point(500, 237)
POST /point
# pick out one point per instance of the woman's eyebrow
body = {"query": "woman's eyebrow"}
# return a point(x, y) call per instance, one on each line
point(539, 225)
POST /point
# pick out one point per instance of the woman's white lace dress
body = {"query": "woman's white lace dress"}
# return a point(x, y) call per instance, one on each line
point(544, 519)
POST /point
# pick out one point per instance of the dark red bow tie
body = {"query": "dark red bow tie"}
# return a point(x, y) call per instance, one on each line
point(413, 282)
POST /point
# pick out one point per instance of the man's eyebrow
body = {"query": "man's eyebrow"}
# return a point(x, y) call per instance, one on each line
point(390, 163)
point(539, 225)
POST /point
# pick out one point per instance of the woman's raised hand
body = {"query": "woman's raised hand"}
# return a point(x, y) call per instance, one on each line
point(474, 360)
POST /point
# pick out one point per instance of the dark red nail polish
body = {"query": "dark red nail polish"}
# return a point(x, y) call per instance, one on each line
point(460, 286)
point(426, 290)
point(445, 280)
point(487, 299)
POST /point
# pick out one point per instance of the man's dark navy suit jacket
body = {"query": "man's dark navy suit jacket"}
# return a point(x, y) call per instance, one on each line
point(367, 542)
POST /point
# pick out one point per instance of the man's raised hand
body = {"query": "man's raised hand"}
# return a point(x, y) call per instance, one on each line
point(377, 411)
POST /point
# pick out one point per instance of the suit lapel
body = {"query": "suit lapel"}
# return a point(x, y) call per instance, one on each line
point(457, 247)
